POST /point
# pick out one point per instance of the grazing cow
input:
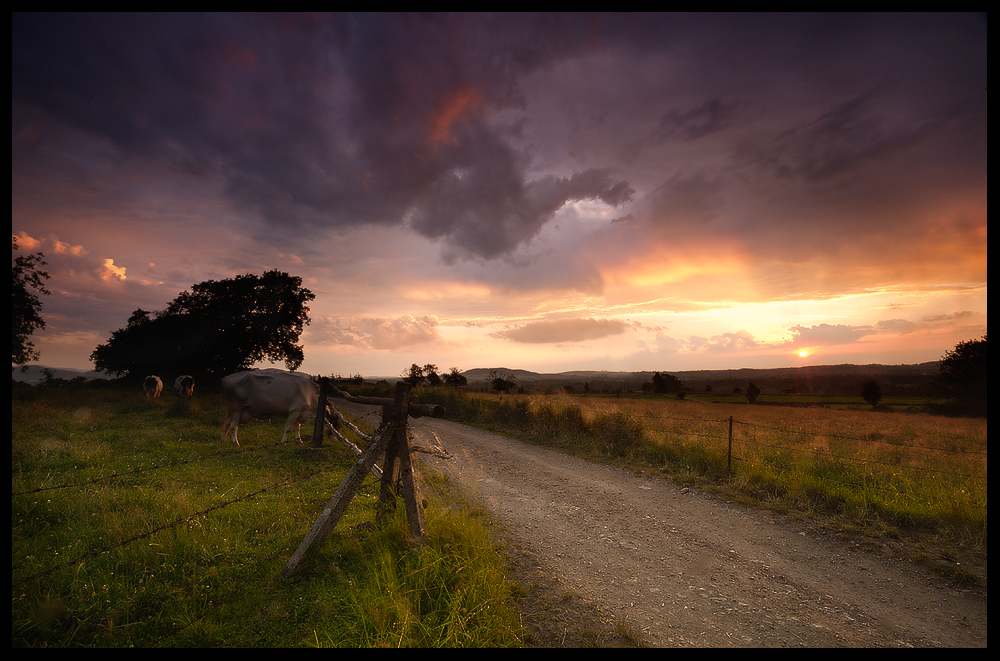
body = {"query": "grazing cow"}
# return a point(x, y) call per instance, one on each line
point(152, 386)
point(269, 393)
point(184, 386)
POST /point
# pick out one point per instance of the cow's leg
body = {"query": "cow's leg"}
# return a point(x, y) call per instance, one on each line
point(292, 419)
point(232, 423)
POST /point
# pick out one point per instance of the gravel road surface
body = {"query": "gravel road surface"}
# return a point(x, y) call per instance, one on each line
point(686, 568)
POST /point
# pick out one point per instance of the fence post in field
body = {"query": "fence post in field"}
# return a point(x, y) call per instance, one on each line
point(398, 467)
point(320, 423)
point(335, 509)
point(729, 459)
point(393, 439)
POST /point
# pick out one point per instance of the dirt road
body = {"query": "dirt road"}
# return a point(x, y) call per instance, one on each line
point(689, 569)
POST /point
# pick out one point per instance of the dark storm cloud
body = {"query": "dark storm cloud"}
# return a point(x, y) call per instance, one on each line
point(845, 139)
point(694, 123)
point(428, 121)
point(318, 121)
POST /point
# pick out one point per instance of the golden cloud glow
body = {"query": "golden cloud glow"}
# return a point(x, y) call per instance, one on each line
point(436, 290)
point(26, 242)
point(112, 271)
point(668, 265)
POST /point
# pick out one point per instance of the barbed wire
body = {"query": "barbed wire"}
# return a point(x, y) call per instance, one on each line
point(662, 429)
point(136, 471)
point(852, 437)
point(852, 460)
point(812, 476)
point(173, 464)
point(177, 522)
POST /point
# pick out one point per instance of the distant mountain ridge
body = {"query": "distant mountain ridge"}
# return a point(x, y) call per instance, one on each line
point(36, 373)
point(917, 379)
point(750, 372)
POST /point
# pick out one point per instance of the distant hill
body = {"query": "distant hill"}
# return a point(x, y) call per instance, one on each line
point(35, 374)
point(915, 380)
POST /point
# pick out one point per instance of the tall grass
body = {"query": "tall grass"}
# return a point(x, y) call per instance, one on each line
point(132, 526)
point(876, 470)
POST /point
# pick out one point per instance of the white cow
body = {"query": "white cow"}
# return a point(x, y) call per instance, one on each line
point(269, 393)
point(184, 386)
point(152, 386)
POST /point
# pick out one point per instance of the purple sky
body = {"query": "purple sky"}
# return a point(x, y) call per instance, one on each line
point(547, 192)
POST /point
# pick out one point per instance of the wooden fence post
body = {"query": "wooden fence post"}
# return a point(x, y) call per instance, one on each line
point(320, 423)
point(335, 509)
point(399, 468)
point(729, 460)
point(392, 432)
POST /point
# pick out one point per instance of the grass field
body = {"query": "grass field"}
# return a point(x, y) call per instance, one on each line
point(132, 526)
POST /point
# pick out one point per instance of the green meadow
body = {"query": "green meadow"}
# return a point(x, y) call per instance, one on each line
point(132, 526)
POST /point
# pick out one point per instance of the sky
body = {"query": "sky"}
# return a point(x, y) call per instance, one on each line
point(549, 192)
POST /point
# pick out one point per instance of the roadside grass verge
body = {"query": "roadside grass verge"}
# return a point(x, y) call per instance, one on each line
point(879, 474)
point(132, 526)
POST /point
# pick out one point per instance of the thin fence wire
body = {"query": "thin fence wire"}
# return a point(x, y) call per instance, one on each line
point(149, 533)
point(216, 604)
point(122, 543)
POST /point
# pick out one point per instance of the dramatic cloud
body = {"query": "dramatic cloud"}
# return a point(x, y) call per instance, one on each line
point(315, 122)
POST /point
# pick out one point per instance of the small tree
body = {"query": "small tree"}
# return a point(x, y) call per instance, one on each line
point(753, 392)
point(963, 375)
point(501, 383)
point(662, 384)
point(26, 307)
point(871, 392)
point(414, 376)
point(431, 375)
point(455, 379)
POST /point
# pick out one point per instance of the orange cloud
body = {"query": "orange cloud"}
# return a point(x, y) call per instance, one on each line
point(457, 105)
point(25, 242)
point(112, 271)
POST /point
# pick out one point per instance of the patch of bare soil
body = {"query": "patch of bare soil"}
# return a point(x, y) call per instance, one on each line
point(608, 557)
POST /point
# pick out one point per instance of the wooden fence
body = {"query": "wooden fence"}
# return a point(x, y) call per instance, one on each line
point(392, 438)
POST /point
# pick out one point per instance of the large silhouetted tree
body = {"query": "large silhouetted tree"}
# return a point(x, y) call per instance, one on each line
point(963, 375)
point(25, 309)
point(219, 327)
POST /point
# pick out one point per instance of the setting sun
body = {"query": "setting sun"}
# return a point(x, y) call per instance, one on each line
point(803, 353)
